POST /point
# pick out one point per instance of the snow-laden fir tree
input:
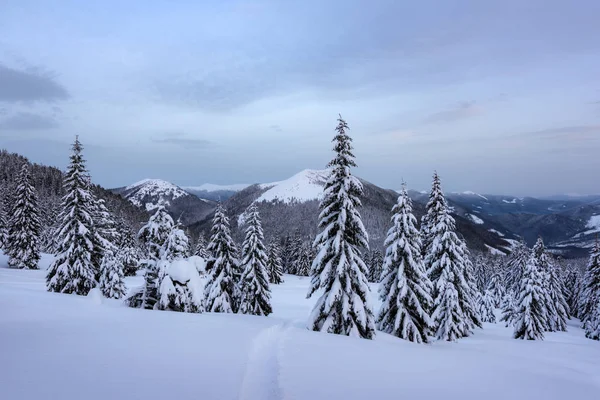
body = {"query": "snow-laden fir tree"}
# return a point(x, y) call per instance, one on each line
point(496, 288)
point(274, 264)
point(296, 247)
point(255, 293)
point(24, 224)
point(590, 291)
point(153, 235)
point(3, 227)
point(515, 265)
point(571, 280)
point(508, 308)
point(221, 293)
point(200, 249)
point(178, 278)
point(556, 289)
point(592, 325)
point(450, 272)
point(105, 233)
point(304, 261)
point(73, 270)
point(112, 284)
point(530, 316)
point(405, 289)
point(338, 270)
point(487, 307)
point(128, 254)
point(435, 208)
point(467, 299)
point(375, 265)
point(542, 262)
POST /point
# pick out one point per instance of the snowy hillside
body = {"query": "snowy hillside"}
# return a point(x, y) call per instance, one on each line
point(148, 193)
point(57, 346)
point(304, 186)
point(209, 191)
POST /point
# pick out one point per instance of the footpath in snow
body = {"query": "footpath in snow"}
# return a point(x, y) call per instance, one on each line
point(55, 346)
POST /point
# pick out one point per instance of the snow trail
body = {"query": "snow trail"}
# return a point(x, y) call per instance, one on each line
point(261, 377)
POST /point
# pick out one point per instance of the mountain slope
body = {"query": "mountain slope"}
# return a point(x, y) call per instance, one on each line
point(149, 193)
point(291, 207)
point(209, 191)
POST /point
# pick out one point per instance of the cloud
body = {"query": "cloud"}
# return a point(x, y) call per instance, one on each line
point(27, 121)
point(579, 132)
point(23, 86)
point(276, 128)
point(178, 139)
point(464, 110)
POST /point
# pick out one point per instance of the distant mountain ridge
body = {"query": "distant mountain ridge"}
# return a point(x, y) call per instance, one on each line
point(488, 222)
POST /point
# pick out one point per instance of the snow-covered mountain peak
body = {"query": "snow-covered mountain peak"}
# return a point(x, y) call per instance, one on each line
point(306, 185)
point(210, 187)
point(149, 193)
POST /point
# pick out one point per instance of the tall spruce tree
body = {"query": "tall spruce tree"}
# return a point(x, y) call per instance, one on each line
point(24, 225)
point(557, 290)
point(3, 226)
point(255, 293)
point(555, 317)
point(590, 293)
point(222, 291)
point(487, 305)
point(338, 269)
point(454, 311)
point(375, 266)
point(508, 308)
point(530, 316)
point(592, 325)
point(435, 208)
point(274, 264)
point(405, 289)
point(154, 236)
point(304, 261)
point(200, 249)
point(112, 284)
point(73, 270)
point(515, 266)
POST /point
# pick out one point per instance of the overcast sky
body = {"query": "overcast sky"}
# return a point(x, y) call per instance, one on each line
point(498, 96)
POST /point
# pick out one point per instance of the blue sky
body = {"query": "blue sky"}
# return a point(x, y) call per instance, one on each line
point(498, 96)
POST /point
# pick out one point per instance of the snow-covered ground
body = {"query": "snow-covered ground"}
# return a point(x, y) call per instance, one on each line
point(55, 346)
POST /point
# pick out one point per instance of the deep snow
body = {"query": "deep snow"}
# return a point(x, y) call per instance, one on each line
point(56, 346)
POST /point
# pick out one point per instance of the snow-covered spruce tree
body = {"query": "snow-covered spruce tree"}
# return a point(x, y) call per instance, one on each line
point(515, 265)
point(127, 254)
point(73, 270)
point(592, 325)
point(590, 291)
point(487, 307)
point(221, 293)
point(304, 261)
point(496, 288)
point(105, 232)
point(274, 264)
point(557, 290)
point(3, 227)
point(177, 277)
point(405, 289)
point(435, 208)
point(570, 282)
point(255, 293)
point(544, 267)
point(375, 265)
point(112, 284)
point(153, 235)
point(467, 299)
point(508, 308)
point(338, 269)
point(450, 272)
point(200, 249)
point(24, 224)
point(530, 318)
point(296, 247)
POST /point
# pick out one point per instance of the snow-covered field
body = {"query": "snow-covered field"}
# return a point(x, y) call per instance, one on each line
point(55, 346)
